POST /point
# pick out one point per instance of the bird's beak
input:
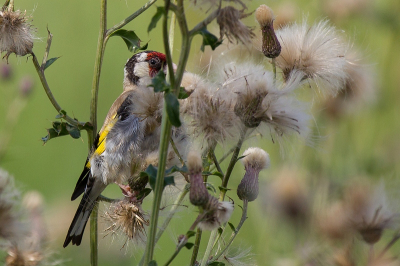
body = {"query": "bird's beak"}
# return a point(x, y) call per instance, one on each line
point(174, 66)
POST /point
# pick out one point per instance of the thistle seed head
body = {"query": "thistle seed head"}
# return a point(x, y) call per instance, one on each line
point(127, 217)
point(16, 33)
point(231, 26)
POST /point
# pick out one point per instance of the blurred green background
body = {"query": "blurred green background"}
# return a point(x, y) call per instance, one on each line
point(364, 141)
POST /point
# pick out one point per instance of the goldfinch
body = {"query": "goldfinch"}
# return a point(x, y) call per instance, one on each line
point(120, 140)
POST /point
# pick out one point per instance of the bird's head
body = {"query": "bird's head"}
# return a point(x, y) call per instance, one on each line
point(142, 67)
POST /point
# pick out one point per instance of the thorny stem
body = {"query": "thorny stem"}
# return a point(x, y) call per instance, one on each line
point(97, 66)
point(215, 160)
point(130, 18)
point(234, 234)
point(163, 149)
point(224, 184)
point(176, 151)
point(185, 238)
point(10, 5)
point(232, 163)
point(205, 22)
point(93, 119)
point(40, 72)
point(93, 235)
point(196, 247)
point(274, 69)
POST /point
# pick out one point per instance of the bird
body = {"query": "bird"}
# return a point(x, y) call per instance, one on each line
point(120, 139)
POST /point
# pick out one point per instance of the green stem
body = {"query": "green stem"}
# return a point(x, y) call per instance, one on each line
point(97, 65)
point(215, 160)
point(5, 4)
point(232, 163)
point(105, 199)
point(185, 238)
point(159, 185)
point(274, 69)
point(81, 125)
point(196, 247)
point(204, 23)
point(10, 6)
point(131, 17)
point(93, 235)
point(234, 234)
point(224, 184)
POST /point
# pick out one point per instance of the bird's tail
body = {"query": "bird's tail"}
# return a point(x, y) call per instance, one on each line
point(77, 227)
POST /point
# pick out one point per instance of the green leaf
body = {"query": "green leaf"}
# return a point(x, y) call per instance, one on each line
point(50, 61)
point(151, 172)
point(223, 188)
point(156, 18)
point(61, 129)
point(182, 93)
point(169, 181)
point(190, 234)
point(130, 38)
point(152, 263)
point(189, 245)
point(144, 193)
point(217, 263)
point(232, 227)
point(240, 157)
point(208, 39)
point(211, 187)
point(62, 114)
point(158, 82)
point(172, 109)
point(219, 174)
point(175, 168)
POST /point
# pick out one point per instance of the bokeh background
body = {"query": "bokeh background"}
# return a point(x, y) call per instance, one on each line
point(358, 139)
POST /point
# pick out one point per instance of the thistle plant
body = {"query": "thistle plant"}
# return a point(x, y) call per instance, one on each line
point(186, 119)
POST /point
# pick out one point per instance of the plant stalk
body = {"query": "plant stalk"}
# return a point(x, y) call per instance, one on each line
point(234, 234)
point(94, 235)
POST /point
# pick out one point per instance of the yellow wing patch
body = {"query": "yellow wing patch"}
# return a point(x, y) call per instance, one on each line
point(101, 146)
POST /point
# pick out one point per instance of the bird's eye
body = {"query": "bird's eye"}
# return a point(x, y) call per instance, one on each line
point(153, 62)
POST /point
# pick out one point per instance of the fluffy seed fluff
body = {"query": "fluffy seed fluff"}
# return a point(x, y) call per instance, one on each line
point(368, 209)
point(264, 15)
point(318, 51)
point(231, 26)
point(126, 218)
point(209, 115)
point(16, 33)
point(217, 214)
point(11, 227)
point(194, 162)
point(256, 158)
point(259, 102)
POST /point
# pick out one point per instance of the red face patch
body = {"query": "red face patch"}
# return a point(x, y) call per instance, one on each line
point(156, 54)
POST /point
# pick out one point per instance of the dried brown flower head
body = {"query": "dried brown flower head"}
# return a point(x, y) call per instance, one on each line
point(230, 25)
point(270, 44)
point(334, 222)
point(127, 218)
point(16, 33)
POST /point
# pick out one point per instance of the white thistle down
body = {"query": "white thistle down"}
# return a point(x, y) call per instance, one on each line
point(317, 50)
